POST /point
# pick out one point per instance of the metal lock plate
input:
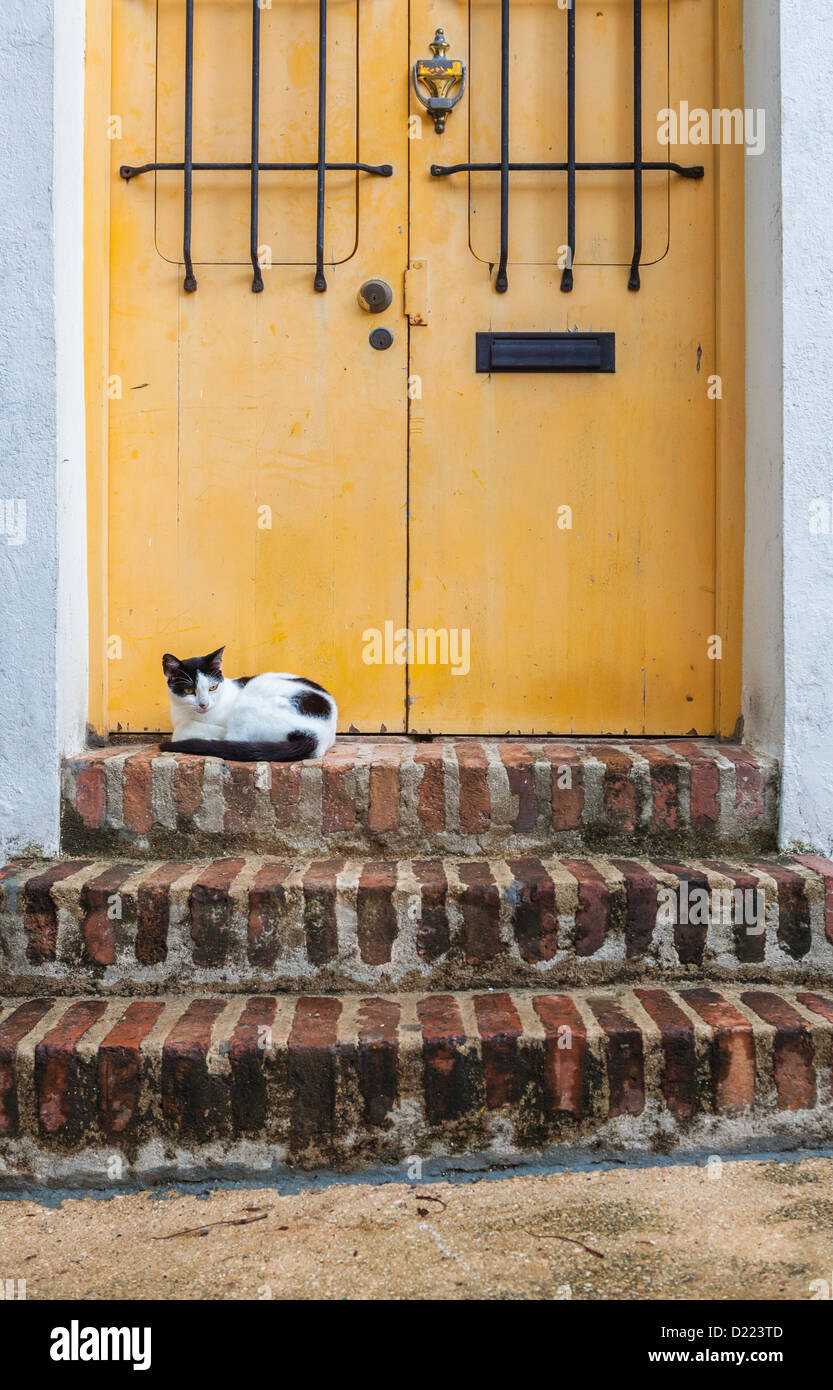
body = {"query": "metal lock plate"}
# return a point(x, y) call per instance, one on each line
point(375, 296)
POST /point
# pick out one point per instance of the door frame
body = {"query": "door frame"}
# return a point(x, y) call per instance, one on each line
point(730, 308)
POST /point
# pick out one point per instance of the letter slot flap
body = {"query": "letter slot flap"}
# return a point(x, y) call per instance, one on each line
point(546, 352)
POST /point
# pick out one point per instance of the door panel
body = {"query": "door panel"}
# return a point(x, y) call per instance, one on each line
point(602, 626)
point(232, 402)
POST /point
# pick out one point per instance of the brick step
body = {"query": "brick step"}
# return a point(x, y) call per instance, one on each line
point(342, 1080)
point(397, 796)
point(253, 923)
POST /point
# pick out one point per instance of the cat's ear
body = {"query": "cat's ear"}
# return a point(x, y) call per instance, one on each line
point(214, 661)
point(170, 664)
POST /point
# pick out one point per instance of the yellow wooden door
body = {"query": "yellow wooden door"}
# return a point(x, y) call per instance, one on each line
point(561, 546)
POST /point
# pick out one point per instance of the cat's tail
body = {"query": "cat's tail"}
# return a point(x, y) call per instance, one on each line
point(290, 750)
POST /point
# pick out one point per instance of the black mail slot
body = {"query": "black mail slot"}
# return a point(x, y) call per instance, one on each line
point(546, 352)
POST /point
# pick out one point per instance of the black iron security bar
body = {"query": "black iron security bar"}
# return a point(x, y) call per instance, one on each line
point(567, 277)
point(634, 281)
point(190, 279)
point(254, 219)
point(320, 282)
point(321, 166)
point(502, 283)
point(638, 166)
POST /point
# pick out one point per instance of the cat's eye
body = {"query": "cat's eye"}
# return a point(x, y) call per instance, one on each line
point(214, 686)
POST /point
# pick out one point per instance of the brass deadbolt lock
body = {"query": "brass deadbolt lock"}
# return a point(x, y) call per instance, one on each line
point(375, 296)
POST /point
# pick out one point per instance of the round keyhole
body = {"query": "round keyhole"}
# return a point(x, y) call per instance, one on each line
point(381, 338)
point(375, 296)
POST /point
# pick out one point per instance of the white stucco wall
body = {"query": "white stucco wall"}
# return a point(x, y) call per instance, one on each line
point(42, 586)
point(763, 632)
point(788, 647)
point(807, 217)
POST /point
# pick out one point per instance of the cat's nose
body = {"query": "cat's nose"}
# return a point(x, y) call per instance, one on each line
point(202, 706)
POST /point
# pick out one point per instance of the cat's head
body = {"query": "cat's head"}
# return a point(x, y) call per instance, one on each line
point(196, 681)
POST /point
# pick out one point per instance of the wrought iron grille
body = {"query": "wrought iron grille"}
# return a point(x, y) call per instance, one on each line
point(638, 166)
point(321, 166)
point(189, 166)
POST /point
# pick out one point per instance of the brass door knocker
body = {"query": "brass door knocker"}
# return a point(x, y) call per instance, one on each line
point(439, 76)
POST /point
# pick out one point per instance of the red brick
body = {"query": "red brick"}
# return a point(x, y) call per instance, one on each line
point(664, 772)
point(312, 1068)
point(285, 792)
point(825, 869)
point(641, 899)
point(153, 898)
point(56, 1066)
point(248, 1046)
point(239, 794)
point(137, 805)
point(690, 937)
point(188, 786)
point(732, 1050)
point(13, 1029)
point(91, 795)
point(320, 925)
point(794, 933)
point(119, 1066)
point(818, 1004)
point(749, 783)
point(210, 909)
point(704, 786)
point(567, 801)
point(520, 770)
point(383, 812)
point(433, 932)
point(338, 796)
point(445, 1074)
point(534, 915)
point(500, 1028)
point(593, 910)
point(377, 1058)
point(793, 1053)
point(189, 1094)
point(679, 1073)
point(99, 926)
point(267, 913)
point(475, 798)
point(565, 1055)
point(40, 915)
point(480, 910)
point(750, 945)
point(431, 802)
point(376, 915)
point(625, 1061)
point(619, 789)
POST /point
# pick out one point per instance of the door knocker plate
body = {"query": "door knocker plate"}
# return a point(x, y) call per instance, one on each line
point(439, 76)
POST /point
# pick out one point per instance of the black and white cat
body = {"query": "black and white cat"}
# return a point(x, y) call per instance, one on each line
point(273, 718)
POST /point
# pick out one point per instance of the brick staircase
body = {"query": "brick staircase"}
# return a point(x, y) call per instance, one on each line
point(496, 947)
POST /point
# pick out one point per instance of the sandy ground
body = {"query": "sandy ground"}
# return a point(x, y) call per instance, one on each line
point(751, 1229)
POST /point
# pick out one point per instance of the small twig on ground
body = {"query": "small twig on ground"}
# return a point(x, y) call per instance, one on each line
point(202, 1230)
point(426, 1197)
point(551, 1235)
